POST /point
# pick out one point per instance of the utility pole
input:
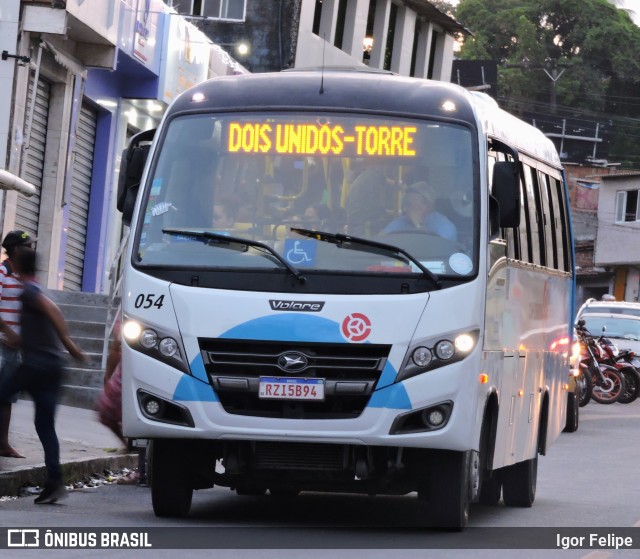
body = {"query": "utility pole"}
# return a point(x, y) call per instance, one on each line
point(551, 67)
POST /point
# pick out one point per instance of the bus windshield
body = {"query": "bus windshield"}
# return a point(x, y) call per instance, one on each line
point(400, 182)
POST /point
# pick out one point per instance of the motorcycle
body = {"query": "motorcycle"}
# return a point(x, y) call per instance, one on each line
point(625, 361)
point(607, 382)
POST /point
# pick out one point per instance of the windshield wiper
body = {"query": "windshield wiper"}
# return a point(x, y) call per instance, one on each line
point(235, 243)
point(366, 245)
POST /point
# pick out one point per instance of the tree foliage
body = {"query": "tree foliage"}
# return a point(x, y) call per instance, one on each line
point(589, 48)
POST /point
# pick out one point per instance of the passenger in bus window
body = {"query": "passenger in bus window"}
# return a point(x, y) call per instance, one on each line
point(419, 213)
point(371, 196)
point(317, 215)
point(224, 213)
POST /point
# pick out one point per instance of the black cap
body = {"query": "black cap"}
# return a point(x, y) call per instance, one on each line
point(17, 238)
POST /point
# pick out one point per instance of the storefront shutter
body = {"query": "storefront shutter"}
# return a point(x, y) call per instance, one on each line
point(79, 200)
point(28, 207)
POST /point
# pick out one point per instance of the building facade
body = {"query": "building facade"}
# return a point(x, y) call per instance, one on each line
point(616, 246)
point(407, 37)
point(86, 77)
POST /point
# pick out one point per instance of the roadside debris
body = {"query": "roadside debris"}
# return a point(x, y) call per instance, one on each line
point(106, 477)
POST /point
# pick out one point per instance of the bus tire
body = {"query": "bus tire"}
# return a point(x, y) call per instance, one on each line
point(490, 483)
point(519, 483)
point(585, 388)
point(573, 413)
point(449, 490)
point(490, 490)
point(171, 490)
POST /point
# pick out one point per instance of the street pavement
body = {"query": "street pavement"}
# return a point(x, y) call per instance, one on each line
point(86, 448)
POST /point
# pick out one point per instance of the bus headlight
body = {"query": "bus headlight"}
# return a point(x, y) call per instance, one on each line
point(158, 343)
point(168, 347)
point(131, 330)
point(148, 338)
point(445, 350)
point(464, 343)
point(429, 354)
point(422, 356)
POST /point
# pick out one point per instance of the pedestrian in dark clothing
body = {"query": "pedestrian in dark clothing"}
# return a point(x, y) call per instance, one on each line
point(10, 290)
point(42, 328)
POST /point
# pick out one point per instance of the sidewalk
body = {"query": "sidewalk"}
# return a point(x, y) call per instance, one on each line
point(86, 447)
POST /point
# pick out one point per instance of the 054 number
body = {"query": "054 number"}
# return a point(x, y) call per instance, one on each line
point(149, 300)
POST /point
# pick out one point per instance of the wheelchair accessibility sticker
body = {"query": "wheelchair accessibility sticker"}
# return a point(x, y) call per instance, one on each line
point(300, 253)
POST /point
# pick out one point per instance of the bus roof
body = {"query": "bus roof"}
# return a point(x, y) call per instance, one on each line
point(366, 90)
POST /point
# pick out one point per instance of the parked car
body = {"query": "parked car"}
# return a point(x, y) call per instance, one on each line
point(620, 319)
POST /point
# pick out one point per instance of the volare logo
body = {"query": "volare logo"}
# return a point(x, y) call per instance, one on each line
point(307, 306)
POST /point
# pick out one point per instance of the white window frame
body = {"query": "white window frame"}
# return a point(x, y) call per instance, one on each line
point(621, 206)
point(224, 8)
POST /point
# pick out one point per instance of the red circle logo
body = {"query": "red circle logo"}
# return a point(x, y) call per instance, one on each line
point(356, 327)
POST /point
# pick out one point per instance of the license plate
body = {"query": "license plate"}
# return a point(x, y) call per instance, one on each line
point(287, 388)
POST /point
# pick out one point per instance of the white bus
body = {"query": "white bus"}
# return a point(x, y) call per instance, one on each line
point(296, 317)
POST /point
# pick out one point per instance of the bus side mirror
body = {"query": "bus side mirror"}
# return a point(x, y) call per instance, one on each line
point(506, 190)
point(132, 164)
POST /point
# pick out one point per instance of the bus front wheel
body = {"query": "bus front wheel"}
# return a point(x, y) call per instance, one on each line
point(448, 490)
point(171, 489)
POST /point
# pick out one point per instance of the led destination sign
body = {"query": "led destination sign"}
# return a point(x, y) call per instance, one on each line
point(321, 139)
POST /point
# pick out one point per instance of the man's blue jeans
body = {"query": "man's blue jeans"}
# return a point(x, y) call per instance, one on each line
point(40, 375)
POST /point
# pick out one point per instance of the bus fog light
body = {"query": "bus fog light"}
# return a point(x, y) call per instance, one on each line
point(148, 339)
point(168, 347)
point(422, 356)
point(464, 343)
point(131, 330)
point(445, 350)
point(433, 417)
point(152, 406)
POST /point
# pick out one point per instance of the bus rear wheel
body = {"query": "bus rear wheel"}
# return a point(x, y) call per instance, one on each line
point(573, 413)
point(171, 490)
point(519, 483)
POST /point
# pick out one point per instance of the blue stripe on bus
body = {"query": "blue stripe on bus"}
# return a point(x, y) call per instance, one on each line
point(390, 395)
point(198, 370)
point(191, 389)
point(393, 397)
point(292, 327)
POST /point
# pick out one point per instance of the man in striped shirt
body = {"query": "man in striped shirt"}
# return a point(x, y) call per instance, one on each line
point(10, 291)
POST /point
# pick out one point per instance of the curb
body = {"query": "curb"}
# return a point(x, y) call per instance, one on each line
point(12, 481)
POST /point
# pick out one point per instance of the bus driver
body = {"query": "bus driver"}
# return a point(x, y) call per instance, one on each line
point(419, 213)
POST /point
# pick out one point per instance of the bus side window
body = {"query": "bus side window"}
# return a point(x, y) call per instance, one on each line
point(550, 231)
point(524, 231)
point(561, 224)
point(536, 220)
point(509, 235)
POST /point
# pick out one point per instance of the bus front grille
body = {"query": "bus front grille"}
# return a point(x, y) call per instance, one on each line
point(299, 456)
point(350, 373)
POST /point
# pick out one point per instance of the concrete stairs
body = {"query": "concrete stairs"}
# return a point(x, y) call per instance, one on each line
point(86, 316)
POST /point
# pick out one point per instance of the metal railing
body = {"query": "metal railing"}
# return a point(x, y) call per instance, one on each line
point(115, 286)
